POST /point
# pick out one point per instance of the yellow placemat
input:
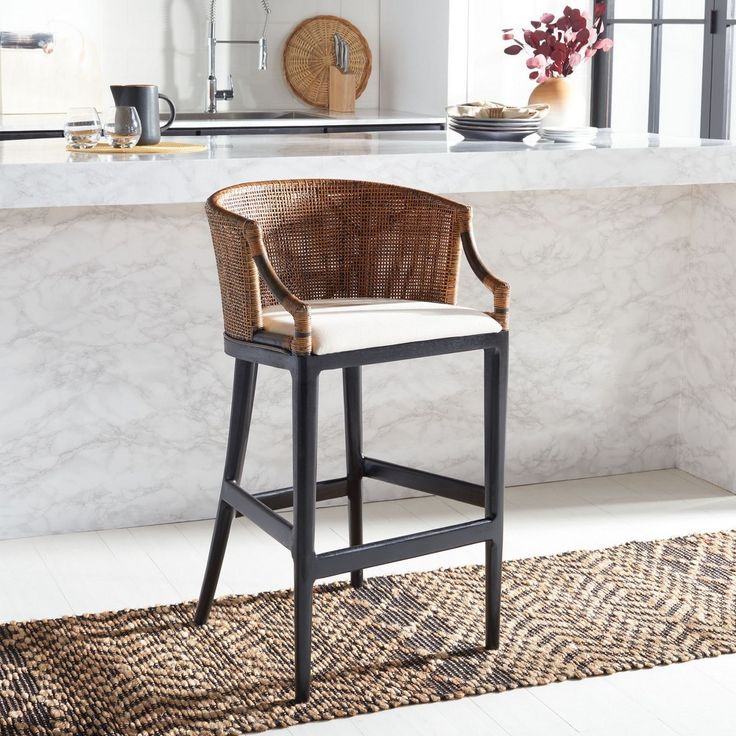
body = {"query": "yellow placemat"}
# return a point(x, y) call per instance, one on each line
point(157, 148)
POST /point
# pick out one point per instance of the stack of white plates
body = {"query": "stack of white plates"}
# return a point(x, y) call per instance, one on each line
point(568, 135)
point(493, 129)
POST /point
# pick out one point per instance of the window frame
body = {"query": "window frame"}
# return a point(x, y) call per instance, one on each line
point(717, 54)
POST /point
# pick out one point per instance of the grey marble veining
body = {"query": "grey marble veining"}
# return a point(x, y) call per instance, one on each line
point(596, 322)
point(115, 389)
point(41, 173)
point(708, 407)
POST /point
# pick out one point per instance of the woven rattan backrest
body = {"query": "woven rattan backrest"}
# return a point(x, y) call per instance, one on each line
point(333, 238)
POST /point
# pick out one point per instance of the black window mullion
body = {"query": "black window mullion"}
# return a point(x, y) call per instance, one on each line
point(602, 77)
point(718, 30)
point(707, 91)
point(719, 102)
point(661, 21)
point(655, 67)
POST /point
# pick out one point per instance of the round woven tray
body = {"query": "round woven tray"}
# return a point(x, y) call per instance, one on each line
point(310, 52)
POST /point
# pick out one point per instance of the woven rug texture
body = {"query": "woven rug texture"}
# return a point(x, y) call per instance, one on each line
point(403, 639)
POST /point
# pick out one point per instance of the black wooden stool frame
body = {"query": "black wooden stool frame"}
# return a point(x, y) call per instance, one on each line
point(306, 491)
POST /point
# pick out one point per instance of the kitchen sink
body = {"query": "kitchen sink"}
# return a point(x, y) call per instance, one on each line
point(204, 117)
point(273, 122)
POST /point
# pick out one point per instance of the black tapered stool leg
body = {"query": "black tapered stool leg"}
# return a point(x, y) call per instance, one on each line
point(223, 521)
point(351, 378)
point(241, 411)
point(305, 393)
point(495, 375)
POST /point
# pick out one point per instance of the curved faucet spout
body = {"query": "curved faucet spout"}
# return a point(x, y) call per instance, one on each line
point(213, 93)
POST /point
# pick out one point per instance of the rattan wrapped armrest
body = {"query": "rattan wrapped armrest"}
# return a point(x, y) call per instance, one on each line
point(302, 342)
point(241, 260)
point(499, 288)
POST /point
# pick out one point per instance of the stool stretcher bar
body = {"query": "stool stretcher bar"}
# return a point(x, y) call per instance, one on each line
point(283, 498)
point(261, 509)
point(257, 511)
point(408, 546)
point(421, 480)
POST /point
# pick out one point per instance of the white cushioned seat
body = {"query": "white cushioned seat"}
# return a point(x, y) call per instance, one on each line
point(354, 324)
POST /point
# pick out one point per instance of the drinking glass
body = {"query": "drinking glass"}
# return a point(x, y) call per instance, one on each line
point(122, 127)
point(82, 128)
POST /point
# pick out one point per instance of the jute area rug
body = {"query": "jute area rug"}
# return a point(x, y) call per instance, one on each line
point(404, 639)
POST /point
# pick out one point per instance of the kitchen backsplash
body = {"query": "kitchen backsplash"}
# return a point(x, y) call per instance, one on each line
point(426, 53)
point(160, 42)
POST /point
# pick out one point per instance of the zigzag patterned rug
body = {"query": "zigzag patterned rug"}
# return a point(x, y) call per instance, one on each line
point(404, 639)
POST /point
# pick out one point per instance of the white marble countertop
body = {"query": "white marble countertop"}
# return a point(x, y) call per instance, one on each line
point(41, 173)
point(318, 118)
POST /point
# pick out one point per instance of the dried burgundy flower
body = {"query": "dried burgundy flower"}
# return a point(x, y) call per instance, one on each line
point(557, 45)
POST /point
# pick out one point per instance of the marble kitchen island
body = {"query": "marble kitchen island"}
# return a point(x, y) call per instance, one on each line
point(114, 389)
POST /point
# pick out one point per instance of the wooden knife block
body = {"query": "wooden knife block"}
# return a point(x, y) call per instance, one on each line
point(341, 91)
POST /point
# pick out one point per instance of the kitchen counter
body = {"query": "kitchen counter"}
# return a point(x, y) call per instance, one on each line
point(41, 173)
point(114, 389)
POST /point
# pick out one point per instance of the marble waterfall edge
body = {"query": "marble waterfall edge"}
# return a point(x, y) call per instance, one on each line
point(707, 446)
point(116, 390)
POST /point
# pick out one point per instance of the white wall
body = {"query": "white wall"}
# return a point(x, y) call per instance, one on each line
point(424, 54)
point(99, 42)
point(414, 54)
point(440, 52)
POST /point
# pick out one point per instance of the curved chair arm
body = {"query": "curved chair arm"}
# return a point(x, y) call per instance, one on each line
point(299, 310)
point(500, 289)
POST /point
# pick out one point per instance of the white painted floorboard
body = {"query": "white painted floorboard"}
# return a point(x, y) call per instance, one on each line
point(96, 571)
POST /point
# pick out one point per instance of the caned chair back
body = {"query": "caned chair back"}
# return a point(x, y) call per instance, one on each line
point(329, 239)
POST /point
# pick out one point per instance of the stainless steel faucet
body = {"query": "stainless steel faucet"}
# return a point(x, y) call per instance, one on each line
point(214, 94)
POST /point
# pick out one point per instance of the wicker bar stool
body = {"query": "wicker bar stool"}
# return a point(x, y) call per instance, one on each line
point(330, 274)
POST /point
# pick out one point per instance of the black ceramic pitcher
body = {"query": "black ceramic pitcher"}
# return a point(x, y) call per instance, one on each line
point(144, 98)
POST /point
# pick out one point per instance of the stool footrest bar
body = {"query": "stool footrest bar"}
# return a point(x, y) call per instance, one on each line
point(283, 498)
point(421, 480)
point(257, 512)
point(348, 559)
